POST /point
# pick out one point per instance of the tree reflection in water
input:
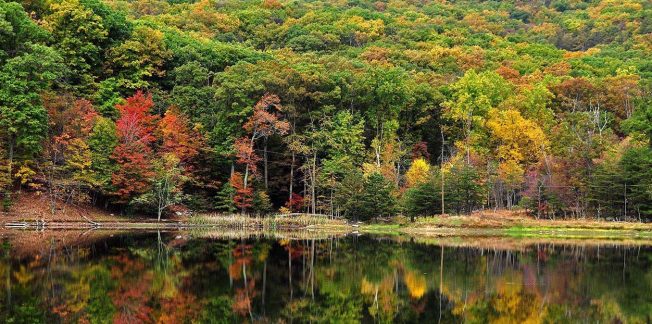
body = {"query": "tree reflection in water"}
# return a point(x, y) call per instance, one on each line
point(181, 277)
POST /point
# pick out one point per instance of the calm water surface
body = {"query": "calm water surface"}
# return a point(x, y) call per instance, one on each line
point(195, 278)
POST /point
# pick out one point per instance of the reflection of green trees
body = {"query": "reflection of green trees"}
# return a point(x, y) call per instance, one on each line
point(19, 297)
point(217, 310)
point(100, 309)
point(329, 307)
point(345, 280)
point(84, 294)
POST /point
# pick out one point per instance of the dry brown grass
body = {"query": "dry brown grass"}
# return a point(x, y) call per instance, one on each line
point(303, 234)
point(518, 219)
point(271, 222)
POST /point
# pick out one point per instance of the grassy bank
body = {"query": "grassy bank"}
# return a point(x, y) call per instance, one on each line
point(518, 220)
point(511, 224)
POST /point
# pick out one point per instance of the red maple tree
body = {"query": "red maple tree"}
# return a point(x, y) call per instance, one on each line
point(133, 154)
point(295, 203)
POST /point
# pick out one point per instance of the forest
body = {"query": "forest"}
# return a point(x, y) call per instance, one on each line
point(350, 108)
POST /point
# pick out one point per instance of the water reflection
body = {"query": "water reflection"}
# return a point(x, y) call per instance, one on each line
point(180, 277)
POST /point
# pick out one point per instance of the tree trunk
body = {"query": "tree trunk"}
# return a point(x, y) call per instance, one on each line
point(11, 156)
point(378, 156)
point(331, 203)
point(246, 176)
point(468, 138)
point(441, 279)
point(265, 163)
point(292, 177)
point(441, 169)
point(314, 181)
point(290, 269)
point(305, 190)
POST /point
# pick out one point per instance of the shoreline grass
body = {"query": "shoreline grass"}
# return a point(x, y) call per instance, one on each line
point(269, 222)
point(486, 223)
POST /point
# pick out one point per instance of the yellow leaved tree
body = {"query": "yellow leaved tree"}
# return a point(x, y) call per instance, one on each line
point(518, 143)
point(417, 173)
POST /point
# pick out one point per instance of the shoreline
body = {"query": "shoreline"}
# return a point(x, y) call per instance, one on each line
point(31, 241)
point(435, 227)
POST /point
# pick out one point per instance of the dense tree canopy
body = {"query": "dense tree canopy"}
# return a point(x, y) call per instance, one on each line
point(263, 104)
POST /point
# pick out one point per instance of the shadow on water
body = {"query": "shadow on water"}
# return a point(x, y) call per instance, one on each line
point(225, 277)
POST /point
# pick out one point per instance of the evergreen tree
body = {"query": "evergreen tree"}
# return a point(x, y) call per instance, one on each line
point(365, 198)
point(637, 171)
point(377, 199)
point(464, 191)
point(261, 204)
point(607, 188)
point(423, 199)
point(224, 199)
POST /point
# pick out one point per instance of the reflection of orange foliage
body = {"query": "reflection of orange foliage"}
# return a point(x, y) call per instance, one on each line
point(295, 251)
point(243, 256)
point(131, 298)
point(179, 309)
point(416, 284)
point(124, 263)
point(243, 296)
point(131, 301)
point(235, 271)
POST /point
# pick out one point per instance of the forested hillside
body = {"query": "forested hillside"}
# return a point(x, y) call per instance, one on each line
point(353, 108)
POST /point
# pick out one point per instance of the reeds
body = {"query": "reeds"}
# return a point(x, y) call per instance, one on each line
point(272, 222)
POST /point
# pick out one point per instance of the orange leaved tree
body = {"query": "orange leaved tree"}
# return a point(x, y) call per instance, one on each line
point(135, 129)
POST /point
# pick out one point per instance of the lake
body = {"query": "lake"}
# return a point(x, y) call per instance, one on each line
point(203, 277)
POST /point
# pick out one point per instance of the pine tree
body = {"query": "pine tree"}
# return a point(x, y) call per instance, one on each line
point(424, 199)
point(225, 199)
point(261, 203)
point(465, 192)
point(377, 199)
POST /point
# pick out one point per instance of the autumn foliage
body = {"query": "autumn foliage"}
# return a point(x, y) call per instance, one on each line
point(295, 203)
point(263, 123)
point(133, 153)
point(243, 196)
point(154, 105)
point(179, 138)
